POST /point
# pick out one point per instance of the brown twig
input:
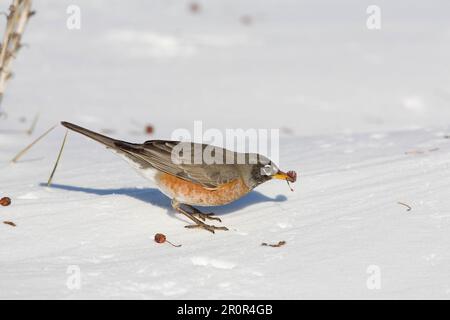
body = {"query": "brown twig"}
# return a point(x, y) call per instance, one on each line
point(12, 224)
point(279, 244)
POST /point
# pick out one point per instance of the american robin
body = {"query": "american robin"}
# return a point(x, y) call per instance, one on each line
point(217, 177)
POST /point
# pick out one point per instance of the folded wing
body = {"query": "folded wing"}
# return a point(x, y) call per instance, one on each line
point(171, 157)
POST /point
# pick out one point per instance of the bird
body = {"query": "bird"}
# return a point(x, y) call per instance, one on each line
point(217, 178)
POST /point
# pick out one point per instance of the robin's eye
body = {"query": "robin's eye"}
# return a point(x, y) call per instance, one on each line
point(266, 170)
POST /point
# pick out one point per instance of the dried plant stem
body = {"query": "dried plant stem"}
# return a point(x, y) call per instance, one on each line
point(19, 13)
point(289, 185)
point(175, 245)
point(12, 224)
point(408, 207)
point(21, 153)
point(57, 159)
point(279, 244)
point(33, 125)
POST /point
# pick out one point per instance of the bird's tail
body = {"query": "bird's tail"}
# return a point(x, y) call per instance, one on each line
point(118, 146)
point(107, 141)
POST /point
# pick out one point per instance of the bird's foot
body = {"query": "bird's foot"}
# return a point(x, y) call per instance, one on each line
point(205, 226)
point(204, 216)
point(197, 213)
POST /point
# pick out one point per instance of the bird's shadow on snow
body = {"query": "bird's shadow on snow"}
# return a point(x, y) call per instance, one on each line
point(157, 198)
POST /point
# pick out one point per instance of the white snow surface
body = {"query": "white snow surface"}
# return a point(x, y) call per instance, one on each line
point(364, 118)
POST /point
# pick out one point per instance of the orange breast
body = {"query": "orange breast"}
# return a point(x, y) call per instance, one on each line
point(195, 194)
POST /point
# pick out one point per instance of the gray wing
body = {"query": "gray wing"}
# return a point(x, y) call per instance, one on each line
point(158, 154)
point(171, 157)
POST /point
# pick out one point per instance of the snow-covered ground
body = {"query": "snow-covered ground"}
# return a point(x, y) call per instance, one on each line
point(364, 123)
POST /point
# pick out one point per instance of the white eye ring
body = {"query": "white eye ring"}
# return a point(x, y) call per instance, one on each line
point(267, 170)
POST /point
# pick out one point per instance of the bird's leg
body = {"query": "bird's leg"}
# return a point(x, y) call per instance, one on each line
point(201, 215)
point(177, 206)
point(198, 223)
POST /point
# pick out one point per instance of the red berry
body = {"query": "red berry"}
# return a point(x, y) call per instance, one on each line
point(5, 201)
point(194, 7)
point(149, 129)
point(292, 175)
point(160, 238)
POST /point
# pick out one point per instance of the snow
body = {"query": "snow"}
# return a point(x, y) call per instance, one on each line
point(365, 124)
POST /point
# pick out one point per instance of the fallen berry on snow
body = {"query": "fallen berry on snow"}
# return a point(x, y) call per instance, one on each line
point(160, 238)
point(149, 129)
point(5, 201)
point(194, 7)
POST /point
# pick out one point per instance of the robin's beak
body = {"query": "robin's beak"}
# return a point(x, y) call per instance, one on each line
point(290, 176)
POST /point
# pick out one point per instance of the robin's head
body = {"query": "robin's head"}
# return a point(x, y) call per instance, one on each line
point(266, 170)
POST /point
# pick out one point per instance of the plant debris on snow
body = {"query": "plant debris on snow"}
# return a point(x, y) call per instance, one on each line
point(279, 244)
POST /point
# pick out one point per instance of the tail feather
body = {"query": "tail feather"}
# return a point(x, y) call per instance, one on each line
point(120, 147)
point(107, 141)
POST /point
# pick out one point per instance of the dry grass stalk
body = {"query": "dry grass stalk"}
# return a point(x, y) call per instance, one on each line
point(19, 13)
point(33, 125)
point(22, 152)
point(57, 159)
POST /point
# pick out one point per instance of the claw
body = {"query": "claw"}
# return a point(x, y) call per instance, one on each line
point(204, 216)
point(194, 226)
point(207, 227)
point(196, 216)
